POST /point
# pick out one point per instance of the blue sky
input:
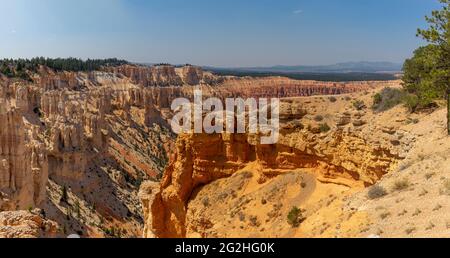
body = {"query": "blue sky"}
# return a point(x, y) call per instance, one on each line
point(215, 32)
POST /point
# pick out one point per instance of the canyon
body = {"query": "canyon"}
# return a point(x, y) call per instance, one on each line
point(92, 153)
point(211, 174)
point(228, 185)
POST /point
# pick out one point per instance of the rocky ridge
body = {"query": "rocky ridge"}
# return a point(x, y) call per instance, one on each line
point(210, 170)
point(78, 145)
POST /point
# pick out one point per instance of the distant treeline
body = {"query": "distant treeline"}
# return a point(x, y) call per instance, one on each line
point(164, 64)
point(334, 77)
point(19, 67)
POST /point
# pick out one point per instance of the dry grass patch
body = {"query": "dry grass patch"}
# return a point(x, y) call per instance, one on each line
point(410, 230)
point(385, 215)
point(376, 192)
point(401, 184)
point(428, 176)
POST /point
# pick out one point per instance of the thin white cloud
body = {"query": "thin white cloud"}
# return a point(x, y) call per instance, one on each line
point(13, 31)
point(299, 11)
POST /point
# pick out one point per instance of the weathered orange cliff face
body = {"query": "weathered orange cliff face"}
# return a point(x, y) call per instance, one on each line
point(279, 87)
point(184, 204)
point(78, 145)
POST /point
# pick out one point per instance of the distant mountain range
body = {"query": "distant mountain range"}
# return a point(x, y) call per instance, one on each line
point(348, 67)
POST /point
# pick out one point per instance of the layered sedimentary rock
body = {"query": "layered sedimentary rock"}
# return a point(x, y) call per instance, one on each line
point(203, 159)
point(78, 144)
point(164, 83)
point(165, 75)
point(73, 129)
point(23, 160)
point(26, 224)
point(344, 156)
point(279, 87)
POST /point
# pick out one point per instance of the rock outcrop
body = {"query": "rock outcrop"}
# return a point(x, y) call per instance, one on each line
point(73, 130)
point(279, 87)
point(26, 224)
point(79, 144)
point(23, 160)
point(343, 156)
point(165, 75)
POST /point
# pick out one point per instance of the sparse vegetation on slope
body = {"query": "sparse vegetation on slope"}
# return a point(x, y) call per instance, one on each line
point(295, 217)
point(376, 192)
point(324, 128)
point(387, 99)
point(401, 184)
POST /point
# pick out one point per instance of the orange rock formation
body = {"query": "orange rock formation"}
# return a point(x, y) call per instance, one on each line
point(343, 156)
point(97, 135)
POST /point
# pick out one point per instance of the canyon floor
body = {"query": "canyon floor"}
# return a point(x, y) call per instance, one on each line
point(93, 154)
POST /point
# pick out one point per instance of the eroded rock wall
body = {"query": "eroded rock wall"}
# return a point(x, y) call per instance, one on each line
point(98, 134)
point(23, 159)
point(26, 224)
point(344, 156)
